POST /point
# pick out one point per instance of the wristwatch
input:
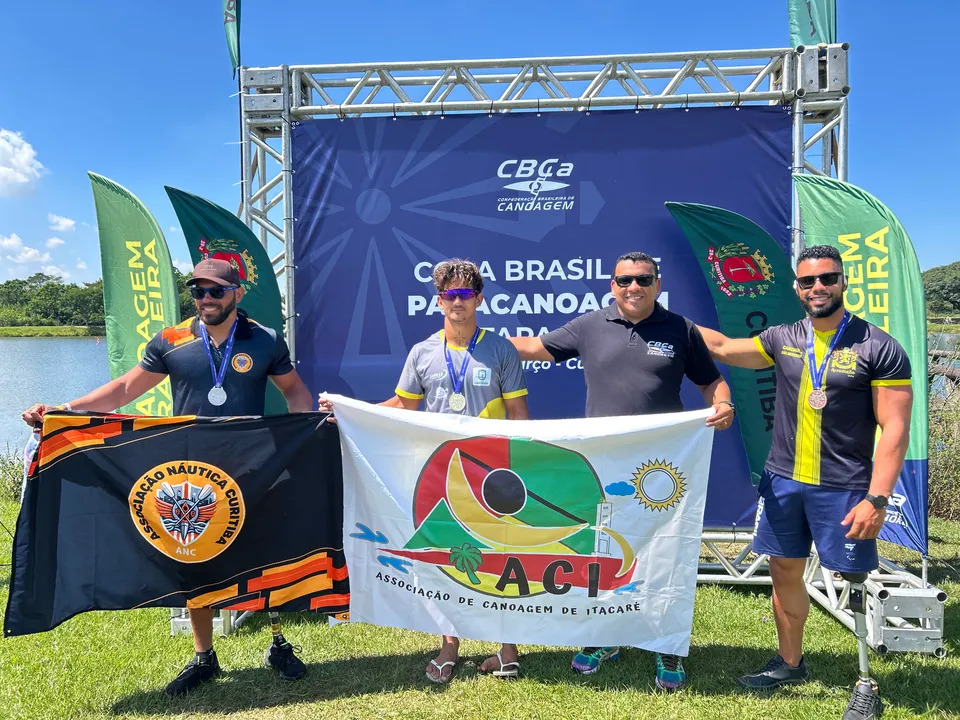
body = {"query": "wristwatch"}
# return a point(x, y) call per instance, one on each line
point(878, 501)
point(727, 402)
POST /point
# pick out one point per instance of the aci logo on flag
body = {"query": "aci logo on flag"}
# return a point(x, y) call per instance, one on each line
point(491, 515)
point(738, 273)
point(189, 511)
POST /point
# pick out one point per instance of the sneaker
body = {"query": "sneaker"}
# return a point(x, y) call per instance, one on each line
point(774, 674)
point(865, 703)
point(587, 661)
point(280, 656)
point(195, 672)
point(670, 673)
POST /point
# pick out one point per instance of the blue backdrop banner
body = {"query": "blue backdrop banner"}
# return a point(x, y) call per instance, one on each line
point(544, 203)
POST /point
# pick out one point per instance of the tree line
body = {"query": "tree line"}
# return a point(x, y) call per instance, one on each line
point(46, 300)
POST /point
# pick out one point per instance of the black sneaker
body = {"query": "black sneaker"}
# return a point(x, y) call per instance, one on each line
point(281, 657)
point(774, 674)
point(197, 671)
point(865, 703)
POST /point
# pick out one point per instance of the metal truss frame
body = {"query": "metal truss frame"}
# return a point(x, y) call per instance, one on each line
point(812, 80)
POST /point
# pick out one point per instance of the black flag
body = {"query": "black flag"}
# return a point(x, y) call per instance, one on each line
point(126, 512)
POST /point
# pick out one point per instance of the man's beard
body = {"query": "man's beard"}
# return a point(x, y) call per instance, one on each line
point(221, 315)
point(827, 310)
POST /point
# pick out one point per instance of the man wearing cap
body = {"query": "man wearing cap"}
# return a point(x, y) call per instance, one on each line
point(218, 363)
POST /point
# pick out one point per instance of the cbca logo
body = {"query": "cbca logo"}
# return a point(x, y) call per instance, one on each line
point(539, 183)
point(189, 511)
point(490, 513)
point(740, 273)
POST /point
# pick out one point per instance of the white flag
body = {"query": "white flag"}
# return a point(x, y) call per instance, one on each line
point(548, 532)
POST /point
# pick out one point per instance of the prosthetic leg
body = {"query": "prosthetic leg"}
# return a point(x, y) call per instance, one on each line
point(865, 703)
point(275, 628)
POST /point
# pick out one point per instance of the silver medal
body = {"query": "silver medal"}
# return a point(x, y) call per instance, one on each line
point(457, 402)
point(217, 396)
point(817, 399)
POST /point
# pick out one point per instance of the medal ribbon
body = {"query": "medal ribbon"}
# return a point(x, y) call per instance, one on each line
point(218, 375)
point(457, 380)
point(817, 373)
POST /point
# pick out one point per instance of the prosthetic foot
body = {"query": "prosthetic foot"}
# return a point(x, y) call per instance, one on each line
point(865, 703)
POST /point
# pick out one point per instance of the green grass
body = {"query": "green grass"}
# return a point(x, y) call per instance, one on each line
point(114, 665)
point(51, 331)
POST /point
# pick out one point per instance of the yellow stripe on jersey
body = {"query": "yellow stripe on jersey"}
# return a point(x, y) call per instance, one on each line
point(495, 409)
point(890, 383)
point(756, 341)
point(407, 395)
point(514, 394)
point(806, 467)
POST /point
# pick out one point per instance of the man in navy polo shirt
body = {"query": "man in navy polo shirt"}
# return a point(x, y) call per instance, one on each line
point(635, 354)
point(218, 363)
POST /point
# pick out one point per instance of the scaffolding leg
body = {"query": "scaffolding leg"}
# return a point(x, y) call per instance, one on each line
point(865, 703)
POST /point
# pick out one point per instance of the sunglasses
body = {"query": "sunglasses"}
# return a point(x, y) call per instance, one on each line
point(806, 282)
point(458, 294)
point(217, 293)
point(625, 281)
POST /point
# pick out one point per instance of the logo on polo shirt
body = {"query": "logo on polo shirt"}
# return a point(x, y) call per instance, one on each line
point(534, 180)
point(190, 511)
point(844, 361)
point(740, 271)
point(660, 349)
point(242, 363)
point(481, 377)
point(658, 485)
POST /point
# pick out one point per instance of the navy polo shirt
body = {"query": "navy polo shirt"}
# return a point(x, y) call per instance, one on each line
point(258, 353)
point(633, 368)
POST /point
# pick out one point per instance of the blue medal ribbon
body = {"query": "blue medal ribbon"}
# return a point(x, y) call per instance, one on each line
point(218, 374)
point(457, 380)
point(817, 373)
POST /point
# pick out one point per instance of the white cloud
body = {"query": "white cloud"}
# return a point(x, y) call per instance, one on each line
point(59, 223)
point(175, 229)
point(19, 167)
point(81, 265)
point(10, 243)
point(55, 271)
point(29, 255)
point(184, 266)
point(54, 242)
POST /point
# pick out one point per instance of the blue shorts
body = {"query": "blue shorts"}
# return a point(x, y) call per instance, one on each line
point(791, 515)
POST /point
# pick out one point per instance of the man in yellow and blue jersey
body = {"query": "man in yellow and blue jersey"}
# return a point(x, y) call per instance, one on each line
point(827, 479)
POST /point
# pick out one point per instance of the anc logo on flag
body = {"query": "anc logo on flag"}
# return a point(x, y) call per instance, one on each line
point(189, 511)
point(514, 518)
point(738, 272)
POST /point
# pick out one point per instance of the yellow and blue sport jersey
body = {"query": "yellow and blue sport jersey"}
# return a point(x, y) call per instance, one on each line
point(832, 446)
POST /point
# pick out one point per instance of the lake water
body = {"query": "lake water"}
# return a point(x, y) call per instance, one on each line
point(47, 370)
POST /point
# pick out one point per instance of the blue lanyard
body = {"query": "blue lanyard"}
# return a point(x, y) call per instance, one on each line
point(218, 375)
point(457, 381)
point(816, 373)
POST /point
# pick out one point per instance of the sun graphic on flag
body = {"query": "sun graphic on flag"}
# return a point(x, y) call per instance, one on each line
point(660, 485)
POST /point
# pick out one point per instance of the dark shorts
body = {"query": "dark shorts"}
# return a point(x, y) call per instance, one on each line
point(791, 515)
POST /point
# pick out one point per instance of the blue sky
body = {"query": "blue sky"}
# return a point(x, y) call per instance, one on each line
point(142, 93)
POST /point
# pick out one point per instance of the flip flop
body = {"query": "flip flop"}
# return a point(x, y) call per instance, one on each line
point(507, 671)
point(440, 668)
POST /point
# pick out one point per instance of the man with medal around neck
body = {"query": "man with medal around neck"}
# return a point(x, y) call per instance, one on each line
point(218, 363)
point(838, 379)
point(462, 370)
